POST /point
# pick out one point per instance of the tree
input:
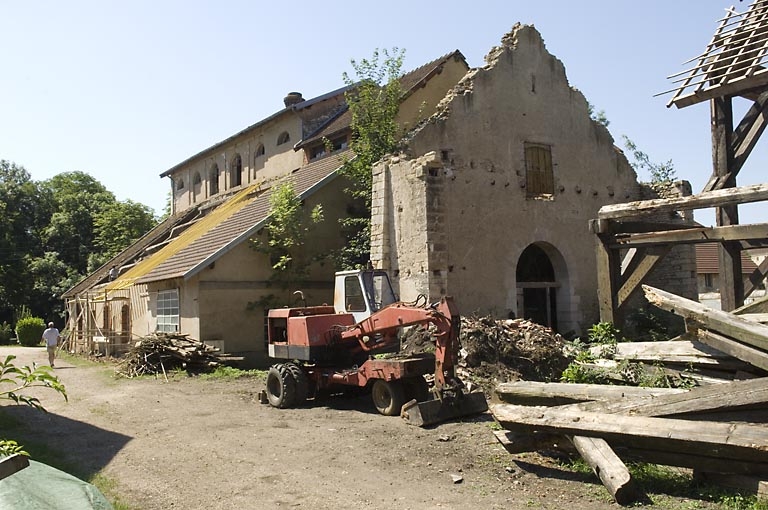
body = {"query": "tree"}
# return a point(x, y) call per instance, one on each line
point(78, 198)
point(598, 116)
point(662, 175)
point(120, 224)
point(374, 103)
point(286, 234)
point(21, 220)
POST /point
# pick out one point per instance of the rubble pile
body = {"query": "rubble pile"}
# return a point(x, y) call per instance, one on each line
point(496, 351)
point(160, 352)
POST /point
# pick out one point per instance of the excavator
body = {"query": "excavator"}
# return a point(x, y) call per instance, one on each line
point(356, 343)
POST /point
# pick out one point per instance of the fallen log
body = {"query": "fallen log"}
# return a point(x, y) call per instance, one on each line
point(725, 440)
point(553, 394)
point(608, 467)
point(752, 333)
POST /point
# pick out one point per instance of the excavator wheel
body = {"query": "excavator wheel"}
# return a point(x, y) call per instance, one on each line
point(301, 383)
point(388, 396)
point(281, 387)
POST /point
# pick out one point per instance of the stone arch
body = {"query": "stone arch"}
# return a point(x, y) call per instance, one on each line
point(283, 137)
point(543, 286)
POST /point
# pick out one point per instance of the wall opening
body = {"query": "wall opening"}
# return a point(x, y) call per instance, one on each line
point(540, 275)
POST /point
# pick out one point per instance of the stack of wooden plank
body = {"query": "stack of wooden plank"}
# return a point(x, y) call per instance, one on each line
point(160, 352)
point(718, 430)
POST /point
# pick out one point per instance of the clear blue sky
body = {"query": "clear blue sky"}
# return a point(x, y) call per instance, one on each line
point(125, 90)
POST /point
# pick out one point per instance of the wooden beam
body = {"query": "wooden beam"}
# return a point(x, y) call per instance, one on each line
point(608, 273)
point(608, 467)
point(740, 195)
point(686, 351)
point(749, 354)
point(756, 277)
point(736, 441)
point(553, 394)
point(713, 398)
point(631, 282)
point(13, 464)
point(751, 333)
point(755, 317)
point(731, 88)
point(694, 235)
point(744, 140)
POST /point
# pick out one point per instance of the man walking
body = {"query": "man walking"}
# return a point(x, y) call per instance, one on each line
point(51, 337)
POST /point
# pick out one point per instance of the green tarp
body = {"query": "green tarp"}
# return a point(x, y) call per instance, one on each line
point(41, 487)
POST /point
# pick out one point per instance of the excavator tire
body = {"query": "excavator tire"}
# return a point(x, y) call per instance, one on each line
point(301, 384)
point(281, 387)
point(388, 396)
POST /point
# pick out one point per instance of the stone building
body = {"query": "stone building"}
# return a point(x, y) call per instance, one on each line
point(197, 273)
point(491, 199)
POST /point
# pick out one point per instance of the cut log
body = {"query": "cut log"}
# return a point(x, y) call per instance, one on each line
point(608, 467)
point(552, 394)
point(725, 440)
point(522, 442)
point(731, 325)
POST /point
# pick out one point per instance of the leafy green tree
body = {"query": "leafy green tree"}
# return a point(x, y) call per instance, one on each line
point(374, 103)
point(78, 198)
point(662, 175)
point(286, 235)
point(21, 203)
point(120, 224)
point(51, 278)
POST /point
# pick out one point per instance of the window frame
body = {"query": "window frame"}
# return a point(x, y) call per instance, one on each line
point(168, 301)
point(539, 170)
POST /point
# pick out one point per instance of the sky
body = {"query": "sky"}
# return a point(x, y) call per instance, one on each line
point(125, 90)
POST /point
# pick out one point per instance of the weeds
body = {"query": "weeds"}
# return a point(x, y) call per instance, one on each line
point(229, 373)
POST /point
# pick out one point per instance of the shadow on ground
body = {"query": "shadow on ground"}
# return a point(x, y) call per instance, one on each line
point(73, 446)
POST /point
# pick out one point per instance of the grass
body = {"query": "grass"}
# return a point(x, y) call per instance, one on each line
point(664, 482)
point(225, 373)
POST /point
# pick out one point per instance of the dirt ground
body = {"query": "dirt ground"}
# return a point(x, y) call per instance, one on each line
point(189, 443)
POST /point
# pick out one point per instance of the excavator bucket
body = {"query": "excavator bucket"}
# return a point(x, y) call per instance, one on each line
point(429, 412)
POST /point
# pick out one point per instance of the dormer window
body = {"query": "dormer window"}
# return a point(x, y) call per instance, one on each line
point(283, 138)
point(321, 150)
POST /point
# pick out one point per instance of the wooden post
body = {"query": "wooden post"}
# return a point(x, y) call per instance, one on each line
point(729, 254)
point(608, 272)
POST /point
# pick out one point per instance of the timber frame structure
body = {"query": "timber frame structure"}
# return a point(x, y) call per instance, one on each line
point(630, 245)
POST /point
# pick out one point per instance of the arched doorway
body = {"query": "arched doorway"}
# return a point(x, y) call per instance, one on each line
point(537, 286)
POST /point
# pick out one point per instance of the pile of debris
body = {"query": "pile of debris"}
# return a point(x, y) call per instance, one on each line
point(496, 351)
point(719, 429)
point(161, 352)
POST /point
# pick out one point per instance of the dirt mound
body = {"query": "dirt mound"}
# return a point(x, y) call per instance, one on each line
point(494, 351)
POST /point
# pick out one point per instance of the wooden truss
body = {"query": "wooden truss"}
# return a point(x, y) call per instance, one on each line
point(629, 244)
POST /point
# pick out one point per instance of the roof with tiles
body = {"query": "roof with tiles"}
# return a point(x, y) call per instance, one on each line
point(409, 82)
point(707, 261)
point(238, 224)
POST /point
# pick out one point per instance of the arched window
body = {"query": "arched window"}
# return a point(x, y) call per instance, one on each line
point(179, 184)
point(236, 171)
point(259, 150)
point(283, 138)
point(196, 186)
point(214, 180)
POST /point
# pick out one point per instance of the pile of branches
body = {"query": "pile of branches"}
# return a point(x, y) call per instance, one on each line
point(161, 352)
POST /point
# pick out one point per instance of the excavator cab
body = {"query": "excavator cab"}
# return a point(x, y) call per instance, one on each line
point(362, 292)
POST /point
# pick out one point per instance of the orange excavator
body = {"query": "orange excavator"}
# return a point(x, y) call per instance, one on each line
point(355, 343)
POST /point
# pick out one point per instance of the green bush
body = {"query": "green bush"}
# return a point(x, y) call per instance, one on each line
point(29, 330)
point(6, 333)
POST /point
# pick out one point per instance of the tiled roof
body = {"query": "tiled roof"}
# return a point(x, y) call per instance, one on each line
point(409, 82)
point(707, 262)
point(134, 251)
point(241, 223)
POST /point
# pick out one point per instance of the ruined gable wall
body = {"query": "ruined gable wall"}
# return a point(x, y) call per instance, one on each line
point(479, 219)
